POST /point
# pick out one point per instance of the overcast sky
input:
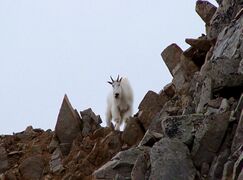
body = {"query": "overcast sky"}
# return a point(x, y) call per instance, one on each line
point(49, 48)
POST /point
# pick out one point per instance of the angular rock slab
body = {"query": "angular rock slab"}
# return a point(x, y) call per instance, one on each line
point(170, 159)
point(226, 58)
point(121, 164)
point(90, 120)
point(171, 56)
point(205, 10)
point(209, 137)
point(182, 127)
point(32, 168)
point(68, 124)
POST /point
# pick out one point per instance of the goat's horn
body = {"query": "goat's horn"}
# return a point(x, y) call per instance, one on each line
point(112, 79)
point(117, 78)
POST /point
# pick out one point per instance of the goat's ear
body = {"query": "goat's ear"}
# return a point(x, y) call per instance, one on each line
point(109, 82)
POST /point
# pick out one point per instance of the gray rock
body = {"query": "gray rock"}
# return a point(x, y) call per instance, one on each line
point(3, 159)
point(182, 127)
point(170, 159)
point(179, 77)
point(150, 138)
point(140, 170)
point(205, 10)
point(90, 120)
point(209, 137)
point(228, 170)
point(122, 164)
point(68, 125)
point(32, 168)
point(238, 167)
point(217, 167)
point(56, 162)
point(238, 138)
point(226, 58)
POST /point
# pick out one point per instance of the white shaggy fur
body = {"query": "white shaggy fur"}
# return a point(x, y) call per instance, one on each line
point(119, 103)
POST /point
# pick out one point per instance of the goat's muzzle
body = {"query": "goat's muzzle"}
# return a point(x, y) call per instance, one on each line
point(116, 95)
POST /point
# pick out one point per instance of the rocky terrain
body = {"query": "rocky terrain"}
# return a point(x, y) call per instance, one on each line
point(191, 129)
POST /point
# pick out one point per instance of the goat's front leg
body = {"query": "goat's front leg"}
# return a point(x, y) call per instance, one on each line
point(118, 121)
point(126, 116)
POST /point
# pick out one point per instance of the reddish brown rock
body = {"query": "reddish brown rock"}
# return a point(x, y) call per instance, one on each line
point(32, 168)
point(3, 159)
point(149, 107)
point(200, 43)
point(133, 132)
point(171, 56)
point(205, 10)
point(169, 90)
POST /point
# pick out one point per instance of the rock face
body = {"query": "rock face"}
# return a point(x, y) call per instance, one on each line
point(191, 129)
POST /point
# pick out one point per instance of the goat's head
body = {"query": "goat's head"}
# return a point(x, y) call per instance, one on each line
point(116, 85)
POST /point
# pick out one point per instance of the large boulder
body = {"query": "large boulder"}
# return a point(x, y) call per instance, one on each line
point(32, 168)
point(121, 164)
point(170, 159)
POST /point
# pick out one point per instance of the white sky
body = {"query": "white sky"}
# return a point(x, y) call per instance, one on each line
point(52, 47)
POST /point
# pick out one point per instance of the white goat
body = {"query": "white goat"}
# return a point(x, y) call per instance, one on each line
point(119, 102)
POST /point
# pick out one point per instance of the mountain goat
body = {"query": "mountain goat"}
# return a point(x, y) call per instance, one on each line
point(119, 102)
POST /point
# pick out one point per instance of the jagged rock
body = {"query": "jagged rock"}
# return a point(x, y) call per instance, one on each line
point(104, 149)
point(217, 167)
point(140, 169)
point(53, 144)
point(209, 137)
point(182, 127)
point(169, 90)
point(4, 164)
point(56, 161)
point(133, 132)
point(32, 168)
point(121, 164)
point(200, 43)
point(171, 56)
point(170, 159)
point(225, 60)
point(150, 138)
point(179, 77)
point(205, 10)
point(149, 107)
point(224, 14)
point(68, 125)
point(238, 167)
point(91, 122)
point(205, 96)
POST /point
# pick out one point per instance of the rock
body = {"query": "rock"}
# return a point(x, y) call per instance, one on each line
point(133, 132)
point(171, 56)
point(225, 61)
point(68, 125)
point(150, 138)
point(179, 77)
point(200, 43)
point(91, 122)
point(4, 164)
point(182, 127)
point(56, 162)
point(149, 107)
point(238, 138)
point(170, 159)
point(195, 55)
point(217, 167)
point(140, 170)
point(205, 10)
point(169, 90)
point(238, 167)
point(228, 170)
point(121, 164)
point(223, 16)
point(209, 137)
point(32, 168)
point(205, 96)
point(105, 149)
